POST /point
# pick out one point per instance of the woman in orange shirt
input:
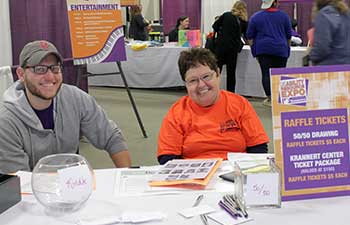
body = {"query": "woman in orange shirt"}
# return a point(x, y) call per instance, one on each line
point(209, 122)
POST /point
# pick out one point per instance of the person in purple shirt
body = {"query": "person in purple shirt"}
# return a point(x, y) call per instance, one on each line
point(269, 33)
point(296, 37)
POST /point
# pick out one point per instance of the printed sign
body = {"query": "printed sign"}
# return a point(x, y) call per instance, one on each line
point(293, 91)
point(310, 108)
point(315, 146)
point(96, 31)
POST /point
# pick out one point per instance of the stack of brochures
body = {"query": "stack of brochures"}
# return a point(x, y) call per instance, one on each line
point(186, 172)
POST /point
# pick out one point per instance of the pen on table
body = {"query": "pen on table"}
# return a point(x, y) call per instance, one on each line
point(227, 209)
point(198, 200)
point(232, 205)
point(202, 216)
point(230, 200)
point(241, 207)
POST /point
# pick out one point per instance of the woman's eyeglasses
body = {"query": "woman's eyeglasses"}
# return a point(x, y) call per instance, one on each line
point(195, 81)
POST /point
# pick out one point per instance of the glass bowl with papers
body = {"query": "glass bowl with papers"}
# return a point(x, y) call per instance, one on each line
point(62, 182)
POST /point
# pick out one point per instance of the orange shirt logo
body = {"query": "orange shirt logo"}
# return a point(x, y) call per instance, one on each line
point(228, 126)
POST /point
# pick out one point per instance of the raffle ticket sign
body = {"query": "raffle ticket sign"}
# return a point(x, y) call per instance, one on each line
point(310, 113)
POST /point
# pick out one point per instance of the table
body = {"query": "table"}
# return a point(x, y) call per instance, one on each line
point(156, 67)
point(317, 211)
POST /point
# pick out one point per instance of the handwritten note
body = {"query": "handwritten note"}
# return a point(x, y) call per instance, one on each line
point(262, 189)
point(75, 182)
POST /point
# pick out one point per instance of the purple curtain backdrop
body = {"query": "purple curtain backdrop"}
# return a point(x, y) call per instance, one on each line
point(304, 19)
point(43, 20)
point(173, 9)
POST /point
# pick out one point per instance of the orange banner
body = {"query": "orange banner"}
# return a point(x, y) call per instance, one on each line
point(96, 31)
point(129, 2)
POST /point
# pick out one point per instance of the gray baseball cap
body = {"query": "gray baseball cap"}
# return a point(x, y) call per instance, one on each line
point(266, 4)
point(34, 52)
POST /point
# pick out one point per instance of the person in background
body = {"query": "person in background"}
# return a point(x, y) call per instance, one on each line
point(310, 32)
point(310, 38)
point(228, 43)
point(240, 10)
point(182, 23)
point(211, 38)
point(331, 44)
point(269, 33)
point(296, 37)
point(208, 122)
point(41, 116)
point(139, 26)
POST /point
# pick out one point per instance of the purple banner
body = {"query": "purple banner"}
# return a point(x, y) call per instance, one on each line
point(315, 148)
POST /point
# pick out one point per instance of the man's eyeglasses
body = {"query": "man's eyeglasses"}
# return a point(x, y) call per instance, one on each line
point(195, 81)
point(42, 69)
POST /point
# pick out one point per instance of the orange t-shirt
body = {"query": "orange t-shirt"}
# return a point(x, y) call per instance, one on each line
point(192, 131)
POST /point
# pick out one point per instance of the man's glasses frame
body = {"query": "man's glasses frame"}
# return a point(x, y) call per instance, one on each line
point(205, 77)
point(42, 69)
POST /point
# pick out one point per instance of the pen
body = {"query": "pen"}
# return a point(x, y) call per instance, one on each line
point(198, 200)
point(240, 206)
point(227, 209)
point(202, 216)
point(233, 208)
point(228, 198)
point(231, 204)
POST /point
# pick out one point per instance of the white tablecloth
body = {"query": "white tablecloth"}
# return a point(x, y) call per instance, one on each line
point(103, 203)
point(156, 67)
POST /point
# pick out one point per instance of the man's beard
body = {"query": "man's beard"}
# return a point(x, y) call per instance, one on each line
point(36, 91)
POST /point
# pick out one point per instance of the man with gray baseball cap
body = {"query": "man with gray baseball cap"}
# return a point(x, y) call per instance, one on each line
point(33, 52)
point(41, 116)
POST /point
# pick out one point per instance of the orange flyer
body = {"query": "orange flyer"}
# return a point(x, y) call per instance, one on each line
point(96, 31)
